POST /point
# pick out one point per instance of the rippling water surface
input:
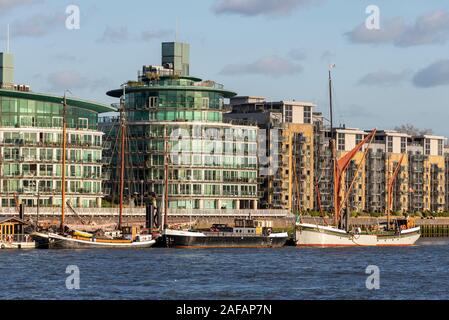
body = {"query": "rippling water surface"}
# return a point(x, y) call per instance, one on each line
point(419, 272)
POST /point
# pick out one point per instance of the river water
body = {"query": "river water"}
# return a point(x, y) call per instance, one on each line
point(419, 272)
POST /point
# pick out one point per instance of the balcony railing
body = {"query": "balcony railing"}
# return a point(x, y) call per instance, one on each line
point(23, 238)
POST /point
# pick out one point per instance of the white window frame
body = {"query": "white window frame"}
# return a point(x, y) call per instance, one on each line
point(80, 122)
point(56, 125)
point(153, 102)
point(205, 103)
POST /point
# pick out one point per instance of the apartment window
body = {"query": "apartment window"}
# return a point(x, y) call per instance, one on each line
point(390, 144)
point(288, 114)
point(205, 103)
point(358, 138)
point(403, 145)
point(26, 121)
point(307, 114)
point(57, 122)
point(440, 147)
point(427, 146)
point(197, 189)
point(83, 123)
point(341, 141)
point(152, 102)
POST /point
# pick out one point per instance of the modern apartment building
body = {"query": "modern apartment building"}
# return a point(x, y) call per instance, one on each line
point(385, 152)
point(31, 146)
point(212, 164)
point(421, 183)
point(286, 157)
point(427, 167)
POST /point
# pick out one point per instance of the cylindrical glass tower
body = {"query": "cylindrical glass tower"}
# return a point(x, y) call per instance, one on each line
point(212, 164)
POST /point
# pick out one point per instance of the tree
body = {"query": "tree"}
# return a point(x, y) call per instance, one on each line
point(412, 130)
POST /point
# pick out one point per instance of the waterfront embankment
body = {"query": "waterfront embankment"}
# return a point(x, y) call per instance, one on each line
point(106, 218)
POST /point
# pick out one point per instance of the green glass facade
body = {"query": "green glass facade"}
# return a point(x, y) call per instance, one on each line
point(212, 164)
point(31, 150)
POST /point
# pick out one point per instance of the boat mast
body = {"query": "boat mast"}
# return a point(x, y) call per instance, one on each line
point(122, 155)
point(390, 190)
point(64, 147)
point(330, 98)
point(333, 149)
point(165, 178)
point(296, 191)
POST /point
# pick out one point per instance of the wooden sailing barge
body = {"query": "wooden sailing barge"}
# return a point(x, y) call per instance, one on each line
point(400, 232)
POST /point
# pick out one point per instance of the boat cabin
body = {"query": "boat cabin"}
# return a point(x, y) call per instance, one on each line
point(407, 223)
point(220, 227)
point(130, 232)
point(11, 227)
point(398, 224)
point(255, 227)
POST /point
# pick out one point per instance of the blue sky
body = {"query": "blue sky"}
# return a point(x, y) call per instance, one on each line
point(278, 49)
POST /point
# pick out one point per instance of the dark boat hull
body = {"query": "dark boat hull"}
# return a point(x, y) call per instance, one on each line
point(54, 241)
point(181, 241)
point(63, 244)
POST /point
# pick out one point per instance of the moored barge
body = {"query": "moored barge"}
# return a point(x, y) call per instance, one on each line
point(247, 233)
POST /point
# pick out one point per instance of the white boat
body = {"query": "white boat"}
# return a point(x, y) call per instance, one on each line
point(314, 235)
point(406, 237)
point(12, 235)
point(402, 233)
point(17, 242)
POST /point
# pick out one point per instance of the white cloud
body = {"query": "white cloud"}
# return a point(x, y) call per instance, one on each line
point(328, 56)
point(6, 5)
point(260, 7)
point(156, 34)
point(436, 74)
point(384, 78)
point(389, 32)
point(114, 35)
point(297, 54)
point(63, 80)
point(430, 28)
point(121, 34)
point(73, 80)
point(273, 66)
point(38, 25)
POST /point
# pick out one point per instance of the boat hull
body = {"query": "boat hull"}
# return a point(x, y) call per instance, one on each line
point(193, 240)
point(405, 238)
point(308, 235)
point(55, 241)
point(321, 236)
point(18, 245)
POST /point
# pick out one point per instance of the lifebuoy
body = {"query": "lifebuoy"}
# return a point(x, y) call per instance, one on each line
point(3, 246)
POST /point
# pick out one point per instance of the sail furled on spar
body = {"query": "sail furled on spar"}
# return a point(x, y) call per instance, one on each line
point(340, 167)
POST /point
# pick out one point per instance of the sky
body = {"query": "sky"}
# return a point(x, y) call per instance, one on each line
point(279, 49)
